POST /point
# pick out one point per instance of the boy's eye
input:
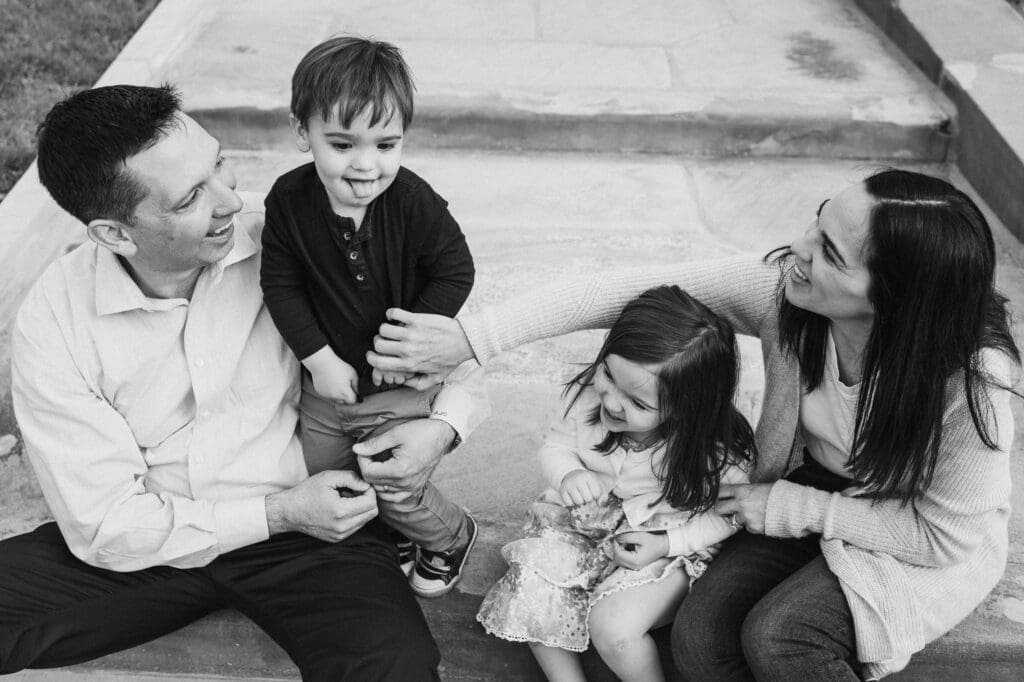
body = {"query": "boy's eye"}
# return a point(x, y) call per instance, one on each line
point(342, 146)
point(386, 146)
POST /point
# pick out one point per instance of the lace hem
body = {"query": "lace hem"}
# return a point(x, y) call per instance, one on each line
point(525, 639)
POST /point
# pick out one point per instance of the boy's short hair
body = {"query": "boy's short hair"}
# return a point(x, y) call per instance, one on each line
point(85, 140)
point(352, 73)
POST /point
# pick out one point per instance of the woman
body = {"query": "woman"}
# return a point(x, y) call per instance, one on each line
point(887, 363)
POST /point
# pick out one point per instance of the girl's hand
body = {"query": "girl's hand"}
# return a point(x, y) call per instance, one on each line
point(579, 487)
point(636, 549)
point(748, 501)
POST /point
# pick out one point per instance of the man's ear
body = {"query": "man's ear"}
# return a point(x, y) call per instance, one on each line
point(113, 235)
point(301, 140)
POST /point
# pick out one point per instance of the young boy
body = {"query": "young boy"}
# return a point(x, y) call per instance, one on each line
point(348, 236)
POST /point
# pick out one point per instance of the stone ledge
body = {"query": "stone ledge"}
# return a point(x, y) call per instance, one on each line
point(974, 50)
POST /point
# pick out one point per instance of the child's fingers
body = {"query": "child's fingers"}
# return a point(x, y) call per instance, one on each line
point(378, 376)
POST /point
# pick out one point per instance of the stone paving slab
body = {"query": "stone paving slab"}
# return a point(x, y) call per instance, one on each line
point(617, 211)
point(811, 77)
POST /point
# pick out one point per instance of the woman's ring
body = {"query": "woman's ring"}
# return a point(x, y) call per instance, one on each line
point(733, 522)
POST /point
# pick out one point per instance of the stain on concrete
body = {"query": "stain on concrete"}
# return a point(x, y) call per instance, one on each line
point(817, 58)
point(1013, 609)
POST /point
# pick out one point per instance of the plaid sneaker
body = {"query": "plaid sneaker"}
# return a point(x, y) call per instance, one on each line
point(436, 573)
point(406, 552)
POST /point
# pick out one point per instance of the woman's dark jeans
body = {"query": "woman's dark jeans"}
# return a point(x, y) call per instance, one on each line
point(768, 609)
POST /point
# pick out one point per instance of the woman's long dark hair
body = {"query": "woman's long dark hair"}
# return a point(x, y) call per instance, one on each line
point(931, 260)
point(698, 370)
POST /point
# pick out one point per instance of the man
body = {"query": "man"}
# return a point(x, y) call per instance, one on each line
point(157, 403)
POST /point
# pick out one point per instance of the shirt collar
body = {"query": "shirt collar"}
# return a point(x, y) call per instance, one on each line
point(117, 292)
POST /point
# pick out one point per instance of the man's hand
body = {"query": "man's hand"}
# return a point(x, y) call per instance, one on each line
point(430, 346)
point(748, 501)
point(415, 447)
point(636, 549)
point(330, 506)
point(581, 486)
point(333, 378)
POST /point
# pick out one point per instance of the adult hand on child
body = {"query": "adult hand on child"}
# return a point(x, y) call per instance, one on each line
point(415, 450)
point(329, 506)
point(580, 487)
point(748, 501)
point(390, 378)
point(636, 549)
point(430, 346)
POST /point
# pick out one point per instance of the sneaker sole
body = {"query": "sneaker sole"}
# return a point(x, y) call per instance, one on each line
point(433, 594)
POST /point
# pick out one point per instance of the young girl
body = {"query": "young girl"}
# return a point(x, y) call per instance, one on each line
point(634, 465)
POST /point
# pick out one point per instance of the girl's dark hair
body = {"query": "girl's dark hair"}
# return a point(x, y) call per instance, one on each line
point(931, 260)
point(698, 369)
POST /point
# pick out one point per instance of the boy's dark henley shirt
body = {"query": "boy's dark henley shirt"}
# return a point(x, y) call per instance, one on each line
point(326, 283)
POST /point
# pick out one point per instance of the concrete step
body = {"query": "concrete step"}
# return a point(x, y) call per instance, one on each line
point(707, 77)
point(530, 218)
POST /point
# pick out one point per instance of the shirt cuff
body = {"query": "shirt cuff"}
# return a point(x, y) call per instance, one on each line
point(240, 523)
point(462, 402)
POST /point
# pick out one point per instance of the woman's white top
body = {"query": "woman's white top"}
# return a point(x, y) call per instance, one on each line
point(828, 414)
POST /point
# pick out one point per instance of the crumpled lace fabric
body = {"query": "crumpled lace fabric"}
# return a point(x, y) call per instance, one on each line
point(560, 569)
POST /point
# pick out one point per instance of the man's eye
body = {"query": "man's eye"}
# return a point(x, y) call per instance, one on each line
point(191, 199)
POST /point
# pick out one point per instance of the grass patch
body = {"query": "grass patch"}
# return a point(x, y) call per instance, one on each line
point(50, 49)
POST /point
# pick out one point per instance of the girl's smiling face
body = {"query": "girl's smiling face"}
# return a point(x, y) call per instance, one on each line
point(629, 396)
point(829, 275)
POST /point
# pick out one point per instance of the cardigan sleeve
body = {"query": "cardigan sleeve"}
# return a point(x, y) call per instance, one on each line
point(938, 528)
point(742, 289)
point(559, 453)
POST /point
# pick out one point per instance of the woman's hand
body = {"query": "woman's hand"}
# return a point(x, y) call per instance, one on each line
point(636, 549)
point(747, 501)
point(419, 343)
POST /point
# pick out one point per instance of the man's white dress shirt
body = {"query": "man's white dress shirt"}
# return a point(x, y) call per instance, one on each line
point(156, 427)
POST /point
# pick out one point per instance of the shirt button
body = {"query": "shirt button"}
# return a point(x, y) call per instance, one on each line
point(200, 362)
point(352, 255)
point(347, 236)
point(360, 277)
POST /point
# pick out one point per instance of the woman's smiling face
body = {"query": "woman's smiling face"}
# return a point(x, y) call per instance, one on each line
point(829, 275)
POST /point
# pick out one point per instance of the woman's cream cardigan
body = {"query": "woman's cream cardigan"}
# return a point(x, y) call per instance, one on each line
point(910, 573)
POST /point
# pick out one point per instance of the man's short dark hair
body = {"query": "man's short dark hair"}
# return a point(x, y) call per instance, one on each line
point(352, 73)
point(85, 140)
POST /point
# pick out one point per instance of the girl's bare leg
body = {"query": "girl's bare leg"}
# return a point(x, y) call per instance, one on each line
point(558, 665)
point(621, 621)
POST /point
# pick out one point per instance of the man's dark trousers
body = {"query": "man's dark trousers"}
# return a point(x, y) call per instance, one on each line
point(341, 611)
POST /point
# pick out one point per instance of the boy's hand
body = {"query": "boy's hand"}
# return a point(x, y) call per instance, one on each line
point(333, 378)
point(636, 549)
point(581, 486)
